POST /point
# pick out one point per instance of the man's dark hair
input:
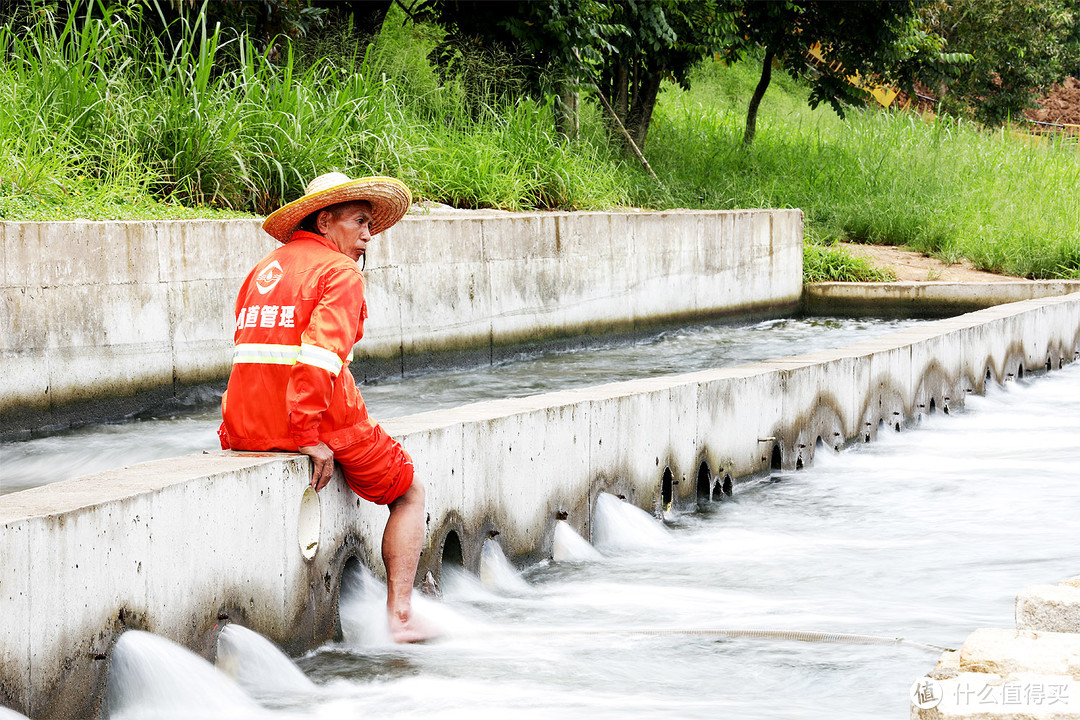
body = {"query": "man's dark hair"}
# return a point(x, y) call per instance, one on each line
point(337, 210)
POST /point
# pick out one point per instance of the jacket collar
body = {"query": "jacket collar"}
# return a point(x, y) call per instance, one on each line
point(305, 235)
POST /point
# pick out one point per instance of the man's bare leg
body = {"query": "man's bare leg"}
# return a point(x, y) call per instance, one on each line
point(402, 538)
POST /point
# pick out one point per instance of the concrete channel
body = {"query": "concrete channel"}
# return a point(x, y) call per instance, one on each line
point(178, 546)
point(104, 319)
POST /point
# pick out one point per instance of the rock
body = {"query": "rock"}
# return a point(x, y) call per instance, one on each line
point(1053, 608)
point(1004, 675)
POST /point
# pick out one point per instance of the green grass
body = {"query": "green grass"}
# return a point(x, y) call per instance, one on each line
point(1006, 201)
point(101, 123)
point(822, 263)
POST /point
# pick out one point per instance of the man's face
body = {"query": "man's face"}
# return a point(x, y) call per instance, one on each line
point(349, 228)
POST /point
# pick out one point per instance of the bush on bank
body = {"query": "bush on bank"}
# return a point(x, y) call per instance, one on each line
point(102, 122)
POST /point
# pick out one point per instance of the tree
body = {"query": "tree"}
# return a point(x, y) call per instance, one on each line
point(1019, 48)
point(551, 44)
point(623, 48)
point(663, 40)
point(868, 39)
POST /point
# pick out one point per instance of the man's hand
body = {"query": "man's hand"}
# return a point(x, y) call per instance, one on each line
point(322, 459)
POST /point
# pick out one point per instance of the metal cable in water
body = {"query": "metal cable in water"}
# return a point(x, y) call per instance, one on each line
point(798, 635)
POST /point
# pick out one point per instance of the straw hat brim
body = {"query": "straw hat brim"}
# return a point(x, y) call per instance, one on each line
point(389, 198)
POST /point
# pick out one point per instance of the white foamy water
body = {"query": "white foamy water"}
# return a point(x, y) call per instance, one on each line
point(99, 447)
point(257, 664)
point(569, 547)
point(619, 526)
point(362, 609)
point(9, 714)
point(151, 677)
point(496, 571)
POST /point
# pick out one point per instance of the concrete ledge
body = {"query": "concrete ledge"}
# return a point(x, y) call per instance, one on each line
point(924, 299)
point(1053, 608)
point(93, 310)
point(171, 545)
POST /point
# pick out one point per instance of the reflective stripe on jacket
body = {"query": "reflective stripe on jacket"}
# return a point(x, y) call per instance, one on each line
point(298, 315)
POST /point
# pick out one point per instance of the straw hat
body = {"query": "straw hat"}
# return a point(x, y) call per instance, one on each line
point(390, 200)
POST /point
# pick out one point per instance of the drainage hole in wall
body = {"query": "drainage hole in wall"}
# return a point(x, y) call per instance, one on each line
point(666, 491)
point(704, 483)
point(452, 553)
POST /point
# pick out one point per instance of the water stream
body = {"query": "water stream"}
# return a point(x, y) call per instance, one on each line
point(99, 447)
point(926, 535)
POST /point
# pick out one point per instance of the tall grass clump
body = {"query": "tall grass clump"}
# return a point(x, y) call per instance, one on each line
point(65, 95)
point(822, 263)
point(201, 116)
point(204, 117)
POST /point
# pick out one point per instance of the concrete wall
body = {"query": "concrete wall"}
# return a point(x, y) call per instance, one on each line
point(95, 310)
point(924, 299)
point(171, 546)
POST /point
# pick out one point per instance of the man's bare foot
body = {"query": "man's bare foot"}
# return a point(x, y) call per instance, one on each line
point(408, 628)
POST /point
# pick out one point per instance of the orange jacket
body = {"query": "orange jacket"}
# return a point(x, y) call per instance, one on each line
point(298, 315)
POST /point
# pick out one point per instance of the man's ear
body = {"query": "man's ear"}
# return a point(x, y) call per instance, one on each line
point(322, 221)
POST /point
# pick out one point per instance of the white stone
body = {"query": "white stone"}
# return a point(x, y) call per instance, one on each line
point(1054, 608)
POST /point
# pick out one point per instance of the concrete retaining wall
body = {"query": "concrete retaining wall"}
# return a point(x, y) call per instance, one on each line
point(96, 310)
point(924, 299)
point(171, 546)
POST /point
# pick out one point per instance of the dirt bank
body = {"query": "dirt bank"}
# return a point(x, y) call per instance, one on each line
point(911, 265)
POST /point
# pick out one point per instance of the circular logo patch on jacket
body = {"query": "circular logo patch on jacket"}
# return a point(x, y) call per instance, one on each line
point(268, 278)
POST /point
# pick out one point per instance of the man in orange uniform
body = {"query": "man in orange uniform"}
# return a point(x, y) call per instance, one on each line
point(298, 315)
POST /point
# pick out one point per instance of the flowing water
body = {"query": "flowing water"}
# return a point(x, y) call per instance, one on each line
point(925, 535)
point(151, 677)
point(258, 666)
point(95, 448)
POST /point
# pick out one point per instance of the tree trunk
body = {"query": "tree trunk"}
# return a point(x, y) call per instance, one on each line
point(755, 101)
point(566, 110)
point(644, 102)
point(621, 101)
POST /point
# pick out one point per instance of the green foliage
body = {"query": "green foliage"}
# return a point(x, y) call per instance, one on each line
point(832, 263)
point(1018, 48)
point(101, 123)
point(99, 110)
point(663, 40)
point(512, 159)
point(948, 188)
point(867, 39)
point(625, 49)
